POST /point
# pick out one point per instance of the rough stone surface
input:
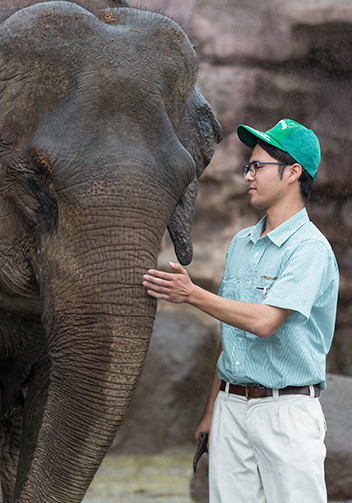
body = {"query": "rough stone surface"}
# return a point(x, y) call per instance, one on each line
point(260, 62)
point(336, 403)
point(170, 398)
point(338, 465)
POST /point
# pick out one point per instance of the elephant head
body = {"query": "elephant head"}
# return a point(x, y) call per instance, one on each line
point(103, 135)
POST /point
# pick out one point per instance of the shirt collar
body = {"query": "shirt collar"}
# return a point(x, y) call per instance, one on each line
point(255, 231)
point(279, 235)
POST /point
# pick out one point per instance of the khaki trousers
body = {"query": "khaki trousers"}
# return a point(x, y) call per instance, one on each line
point(267, 450)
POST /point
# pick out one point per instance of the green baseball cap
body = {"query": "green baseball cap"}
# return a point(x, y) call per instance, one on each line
point(291, 137)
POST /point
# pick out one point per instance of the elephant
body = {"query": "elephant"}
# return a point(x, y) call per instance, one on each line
point(103, 136)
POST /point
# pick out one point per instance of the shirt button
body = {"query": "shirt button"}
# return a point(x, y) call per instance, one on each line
point(240, 339)
point(237, 363)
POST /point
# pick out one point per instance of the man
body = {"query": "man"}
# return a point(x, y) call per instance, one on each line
point(277, 307)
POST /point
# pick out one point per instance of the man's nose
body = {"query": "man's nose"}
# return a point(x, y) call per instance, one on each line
point(248, 177)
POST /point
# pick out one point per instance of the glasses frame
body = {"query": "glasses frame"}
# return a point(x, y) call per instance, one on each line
point(252, 167)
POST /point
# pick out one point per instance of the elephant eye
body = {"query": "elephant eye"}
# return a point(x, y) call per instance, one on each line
point(43, 159)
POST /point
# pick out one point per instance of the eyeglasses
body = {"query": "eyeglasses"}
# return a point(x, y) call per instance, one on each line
point(253, 167)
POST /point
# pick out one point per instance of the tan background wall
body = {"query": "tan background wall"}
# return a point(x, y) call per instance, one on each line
point(260, 61)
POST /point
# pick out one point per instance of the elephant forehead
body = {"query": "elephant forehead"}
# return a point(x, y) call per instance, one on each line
point(124, 37)
point(52, 51)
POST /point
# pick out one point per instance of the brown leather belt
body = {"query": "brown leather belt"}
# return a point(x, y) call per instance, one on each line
point(258, 391)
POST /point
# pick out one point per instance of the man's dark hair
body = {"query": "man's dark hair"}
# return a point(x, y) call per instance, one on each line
point(305, 180)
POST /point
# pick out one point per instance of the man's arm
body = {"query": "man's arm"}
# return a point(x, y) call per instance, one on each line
point(259, 319)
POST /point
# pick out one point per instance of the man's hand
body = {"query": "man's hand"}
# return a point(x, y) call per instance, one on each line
point(204, 427)
point(174, 287)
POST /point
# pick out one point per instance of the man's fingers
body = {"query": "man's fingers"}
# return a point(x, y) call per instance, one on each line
point(166, 286)
point(153, 286)
point(159, 274)
point(178, 268)
point(154, 282)
point(167, 275)
point(156, 295)
point(153, 279)
point(158, 292)
point(158, 286)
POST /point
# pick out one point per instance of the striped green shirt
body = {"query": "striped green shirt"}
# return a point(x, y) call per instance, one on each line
point(292, 267)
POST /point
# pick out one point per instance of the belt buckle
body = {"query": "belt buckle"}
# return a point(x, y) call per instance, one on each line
point(250, 386)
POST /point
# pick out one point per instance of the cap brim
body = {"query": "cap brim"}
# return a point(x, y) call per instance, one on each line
point(249, 137)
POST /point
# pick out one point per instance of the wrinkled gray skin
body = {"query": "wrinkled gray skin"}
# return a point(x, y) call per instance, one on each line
point(103, 136)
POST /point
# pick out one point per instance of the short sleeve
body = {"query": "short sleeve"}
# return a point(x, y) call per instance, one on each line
point(307, 274)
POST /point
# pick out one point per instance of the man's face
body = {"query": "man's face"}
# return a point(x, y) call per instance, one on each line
point(266, 188)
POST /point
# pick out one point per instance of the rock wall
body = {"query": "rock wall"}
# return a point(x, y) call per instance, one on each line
point(259, 62)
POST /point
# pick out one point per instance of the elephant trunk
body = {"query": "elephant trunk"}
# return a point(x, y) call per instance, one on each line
point(99, 321)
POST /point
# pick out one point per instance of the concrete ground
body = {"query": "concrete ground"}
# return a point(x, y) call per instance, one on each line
point(162, 478)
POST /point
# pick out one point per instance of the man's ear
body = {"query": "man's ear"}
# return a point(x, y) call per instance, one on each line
point(295, 171)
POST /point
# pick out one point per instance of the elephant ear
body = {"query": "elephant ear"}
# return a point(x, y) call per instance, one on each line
point(198, 131)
